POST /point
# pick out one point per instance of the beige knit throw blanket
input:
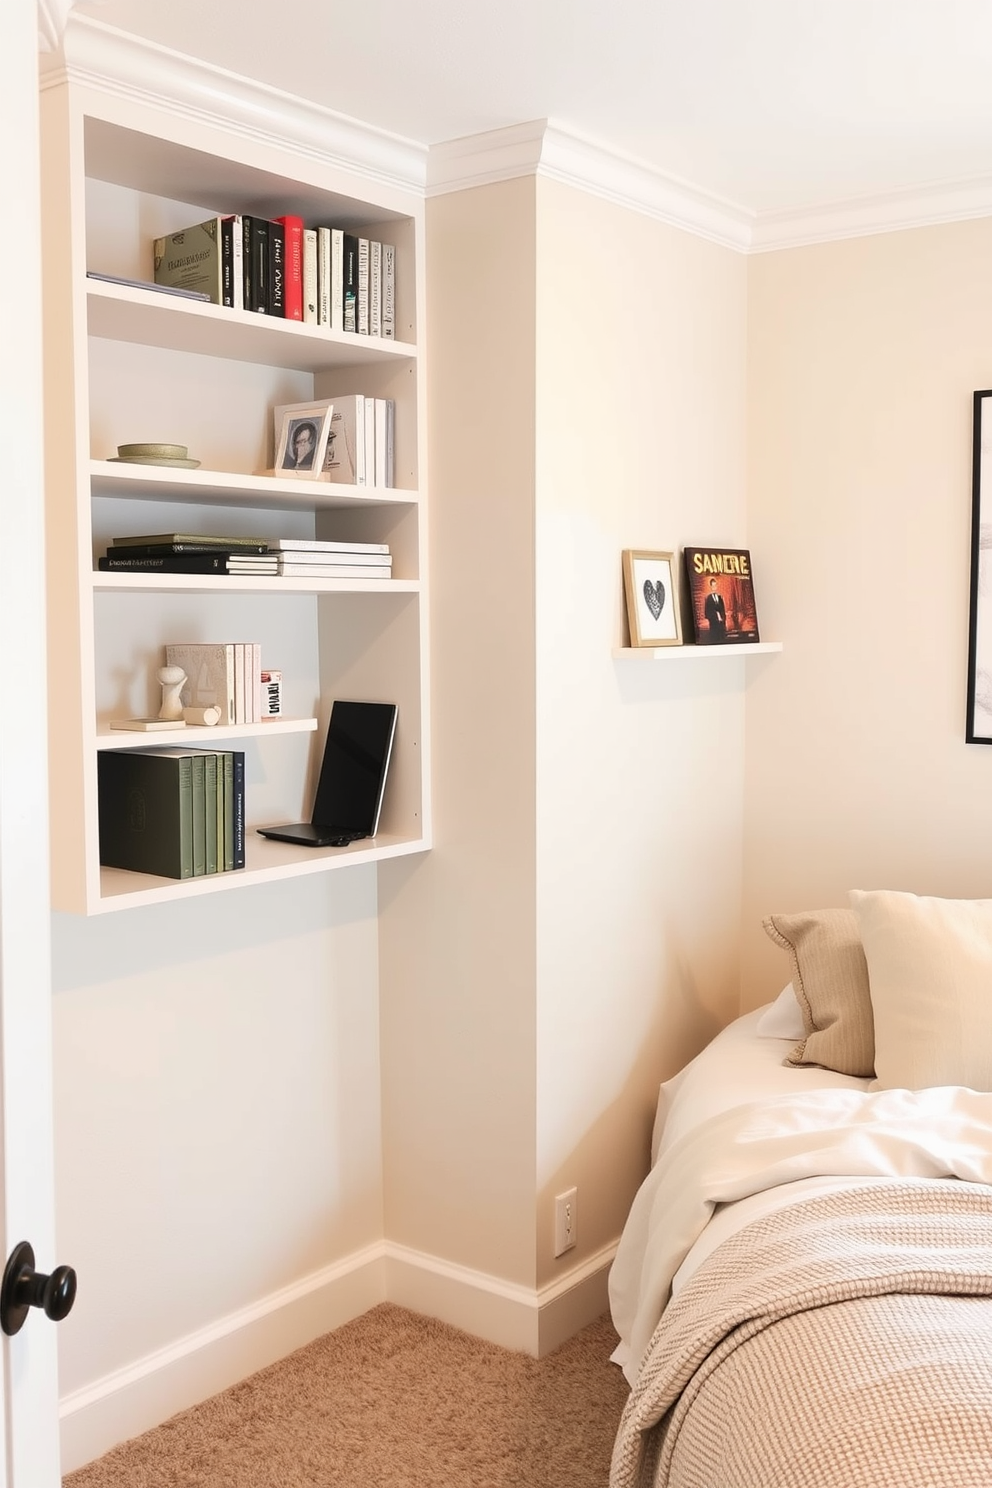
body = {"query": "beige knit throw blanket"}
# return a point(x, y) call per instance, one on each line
point(845, 1342)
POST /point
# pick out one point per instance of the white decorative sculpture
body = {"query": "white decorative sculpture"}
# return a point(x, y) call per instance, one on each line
point(172, 679)
point(203, 717)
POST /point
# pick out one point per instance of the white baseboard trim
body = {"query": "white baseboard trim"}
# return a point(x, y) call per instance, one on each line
point(132, 1400)
point(517, 1317)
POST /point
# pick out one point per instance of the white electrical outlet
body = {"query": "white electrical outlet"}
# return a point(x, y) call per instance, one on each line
point(565, 1221)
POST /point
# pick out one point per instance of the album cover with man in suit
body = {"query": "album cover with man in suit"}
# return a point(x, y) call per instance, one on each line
point(720, 596)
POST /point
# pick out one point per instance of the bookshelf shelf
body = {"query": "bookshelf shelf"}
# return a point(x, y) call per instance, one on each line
point(246, 584)
point(200, 738)
point(125, 363)
point(117, 312)
point(694, 653)
point(267, 862)
point(221, 487)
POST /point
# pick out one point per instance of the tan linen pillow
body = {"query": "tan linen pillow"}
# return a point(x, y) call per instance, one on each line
point(930, 969)
point(830, 980)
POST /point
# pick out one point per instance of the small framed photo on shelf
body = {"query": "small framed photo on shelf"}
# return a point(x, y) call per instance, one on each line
point(652, 601)
point(301, 431)
point(720, 587)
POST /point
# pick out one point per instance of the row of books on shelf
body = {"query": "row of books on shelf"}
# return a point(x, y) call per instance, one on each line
point(353, 439)
point(178, 813)
point(325, 276)
point(285, 557)
point(227, 675)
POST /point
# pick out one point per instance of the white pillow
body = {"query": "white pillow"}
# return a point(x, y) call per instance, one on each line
point(783, 1018)
point(930, 972)
point(734, 1069)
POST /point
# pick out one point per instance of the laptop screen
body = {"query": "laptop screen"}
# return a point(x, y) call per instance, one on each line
point(353, 772)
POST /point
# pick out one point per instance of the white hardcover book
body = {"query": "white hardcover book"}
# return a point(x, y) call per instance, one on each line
point(323, 276)
point(381, 466)
point(238, 263)
point(362, 304)
point(314, 544)
point(345, 555)
point(335, 571)
point(389, 291)
point(337, 278)
point(209, 669)
point(344, 462)
point(390, 441)
point(256, 682)
point(239, 683)
point(375, 288)
point(370, 476)
point(310, 275)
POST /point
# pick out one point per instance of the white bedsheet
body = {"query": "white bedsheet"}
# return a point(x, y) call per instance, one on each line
point(833, 1133)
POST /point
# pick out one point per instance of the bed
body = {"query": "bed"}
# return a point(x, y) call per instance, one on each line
point(803, 1287)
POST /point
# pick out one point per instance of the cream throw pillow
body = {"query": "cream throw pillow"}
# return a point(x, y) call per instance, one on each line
point(930, 969)
point(830, 981)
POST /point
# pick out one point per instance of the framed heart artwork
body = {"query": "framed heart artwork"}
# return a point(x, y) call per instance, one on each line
point(652, 600)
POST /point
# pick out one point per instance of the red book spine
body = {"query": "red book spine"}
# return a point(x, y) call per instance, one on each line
point(293, 282)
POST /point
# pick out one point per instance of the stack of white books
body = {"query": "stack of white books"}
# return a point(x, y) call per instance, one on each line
point(306, 558)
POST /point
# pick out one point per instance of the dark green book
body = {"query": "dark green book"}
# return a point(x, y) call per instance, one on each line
point(146, 811)
point(213, 795)
point(226, 763)
point(199, 816)
point(210, 799)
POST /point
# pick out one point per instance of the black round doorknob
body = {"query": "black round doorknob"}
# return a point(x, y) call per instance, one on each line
point(23, 1288)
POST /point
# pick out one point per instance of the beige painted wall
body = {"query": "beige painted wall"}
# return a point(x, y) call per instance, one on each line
point(863, 359)
point(458, 926)
point(216, 1107)
point(641, 345)
point(572, 937)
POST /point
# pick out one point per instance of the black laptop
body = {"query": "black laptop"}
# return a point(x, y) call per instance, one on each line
point(352, 778)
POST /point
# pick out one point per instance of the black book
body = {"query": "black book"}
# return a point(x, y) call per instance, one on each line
point(247, 232)
point(146, 811)
point(255, 247)
point(227, 261)
point(259, 266)
point(350, 277)
point(276, 286)
point(213, 562)
point(238, 805)
point(164, 550)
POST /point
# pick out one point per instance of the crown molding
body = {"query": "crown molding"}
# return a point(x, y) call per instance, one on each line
point(891, 211)
point(100, 56)
point(541, 147)
point(51, 23)
point(113, 61)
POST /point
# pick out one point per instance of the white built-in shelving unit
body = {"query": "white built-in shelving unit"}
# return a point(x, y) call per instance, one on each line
point(125, 364)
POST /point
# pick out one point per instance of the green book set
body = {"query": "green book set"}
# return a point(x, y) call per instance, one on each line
point(177, 813)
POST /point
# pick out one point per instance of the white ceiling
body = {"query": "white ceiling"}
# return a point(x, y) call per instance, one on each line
point(770, 105)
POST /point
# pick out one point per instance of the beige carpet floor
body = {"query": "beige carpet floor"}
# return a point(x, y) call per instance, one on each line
point(391, 1400)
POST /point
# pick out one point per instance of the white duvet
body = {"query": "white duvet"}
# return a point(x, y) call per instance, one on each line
point(765, 1153)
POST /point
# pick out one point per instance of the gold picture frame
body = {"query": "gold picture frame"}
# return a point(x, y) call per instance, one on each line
point(651, 587)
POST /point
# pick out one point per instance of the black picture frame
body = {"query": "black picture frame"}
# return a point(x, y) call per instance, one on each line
point(978, 728)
